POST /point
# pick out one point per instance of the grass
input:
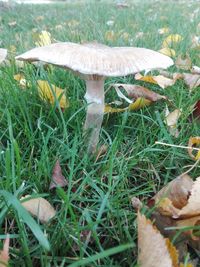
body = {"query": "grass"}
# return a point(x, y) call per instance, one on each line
point(33, 134)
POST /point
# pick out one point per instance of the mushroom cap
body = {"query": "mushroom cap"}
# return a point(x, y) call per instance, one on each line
point(98, 59)
point(3, 54)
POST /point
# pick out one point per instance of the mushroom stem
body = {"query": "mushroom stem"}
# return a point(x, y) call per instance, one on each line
point(95, 110)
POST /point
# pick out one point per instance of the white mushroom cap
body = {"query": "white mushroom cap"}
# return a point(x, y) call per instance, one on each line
point(3, 54)
point(97, 59)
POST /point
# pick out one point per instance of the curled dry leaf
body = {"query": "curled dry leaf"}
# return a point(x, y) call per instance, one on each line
point(3, 54)
point(136, 91)
point(171, 120)
point(4, 254)
point(182, 206)
point(154, 249)
point(192, 80)
point(193, 206)
point(57, 177)
point(194, 141)
point(161, 80)
point(184, 63)
point(167, 51)
point(38, 207)
point(171, 39)
point(139, 103)
point(177, 191)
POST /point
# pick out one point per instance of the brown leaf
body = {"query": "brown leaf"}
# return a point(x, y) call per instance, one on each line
point(171, 120)
point(39, 207)
point(57, 177)
point(161, 80)
point(136, 91)
point(191, 80)
point(177, 191)
point(184, 63)
point(190, 222)
point(154, 249)
point(193, 206)
point(4, 254)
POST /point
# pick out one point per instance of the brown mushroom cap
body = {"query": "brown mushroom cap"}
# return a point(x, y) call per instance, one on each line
point(98, 59)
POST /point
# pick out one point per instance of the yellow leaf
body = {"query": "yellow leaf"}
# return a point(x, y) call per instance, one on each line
point(44, 38)
point(51, 93)
point(139, 103)
point(194, 141)
point(21, 79)
point(109, 109)
point(168, 52)
point(171, 39)
point(161, 80)
point(110, 36)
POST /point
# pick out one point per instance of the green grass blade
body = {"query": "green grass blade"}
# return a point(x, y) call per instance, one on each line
point(101, 255)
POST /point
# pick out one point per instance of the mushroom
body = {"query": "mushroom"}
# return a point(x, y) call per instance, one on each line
point(94, 62)
point(3, 54)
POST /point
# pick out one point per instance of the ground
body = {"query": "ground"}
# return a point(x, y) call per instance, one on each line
point(94, 212)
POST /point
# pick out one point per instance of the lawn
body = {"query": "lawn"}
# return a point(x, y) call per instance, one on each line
point(95, 223)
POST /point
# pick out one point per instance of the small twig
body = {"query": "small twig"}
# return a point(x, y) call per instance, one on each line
point(178, 146)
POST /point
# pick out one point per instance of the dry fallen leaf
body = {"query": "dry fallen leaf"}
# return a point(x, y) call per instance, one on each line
point(51, 93)
point(136, 91)
point(171, 39)
point(57, 177)
point(21, 79)
point(139, 103)
point(43, 38)
point(192, 80)
point(190, 222)
point(184, 63)
point(171, 120)
point(153, 249)
point(3, 54)
point(38, 207)
point(194, 141)
point(177, 191)
point(4, 254)
point(110, 36)
point(192, 208)
point(161, 80)
point(167, 51)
